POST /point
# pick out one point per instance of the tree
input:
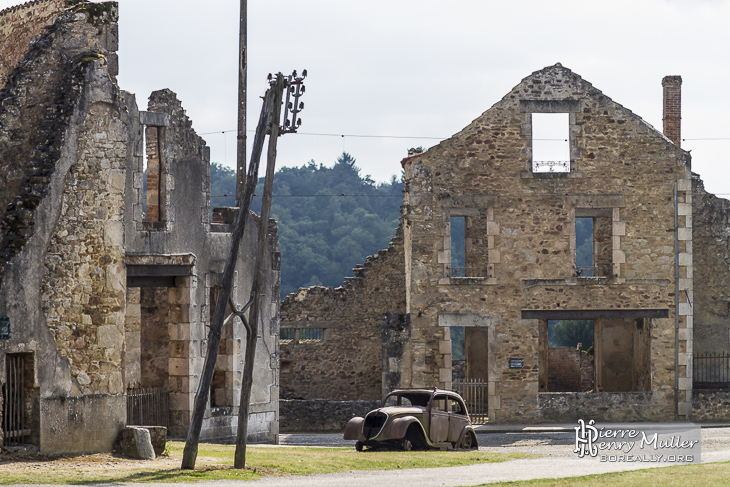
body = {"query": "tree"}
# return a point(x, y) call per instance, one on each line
point(568, 333)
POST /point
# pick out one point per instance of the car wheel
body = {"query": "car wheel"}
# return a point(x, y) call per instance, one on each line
point(407, 445)
point(359, 446)
point(468, 442)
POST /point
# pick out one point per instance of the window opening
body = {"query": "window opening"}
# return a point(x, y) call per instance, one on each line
point(286, 334)
point(458, 246)
point(584, 247)
point(570, 356)
point(154, 174)
point(550, 142)
point(458, 353)
point(311, 334)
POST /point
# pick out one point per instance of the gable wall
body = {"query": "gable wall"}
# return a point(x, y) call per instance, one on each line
point(619, 165)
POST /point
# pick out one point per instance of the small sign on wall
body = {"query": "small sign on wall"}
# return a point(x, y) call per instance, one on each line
point(516, 363)
point(4, 327)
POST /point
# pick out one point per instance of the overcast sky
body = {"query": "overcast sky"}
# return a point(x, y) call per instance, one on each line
point(403, 68)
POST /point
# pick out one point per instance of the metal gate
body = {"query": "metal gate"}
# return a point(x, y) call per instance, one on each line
point(474, 392)
point(14, 414)
point(147, 406)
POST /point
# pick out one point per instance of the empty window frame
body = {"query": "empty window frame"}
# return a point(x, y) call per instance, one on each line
point(570, 356)
point(550, 142)
point(301, 335)
point(458, 246)
point(593, 244)
point(613, 355)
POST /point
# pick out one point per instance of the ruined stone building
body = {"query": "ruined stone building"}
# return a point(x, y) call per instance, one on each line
point(108, 280)
point(488, 246)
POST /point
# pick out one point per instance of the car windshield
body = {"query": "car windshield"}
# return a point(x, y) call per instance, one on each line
point(407, 399)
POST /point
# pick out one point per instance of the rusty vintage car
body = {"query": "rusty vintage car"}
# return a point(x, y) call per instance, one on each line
point(415, 419)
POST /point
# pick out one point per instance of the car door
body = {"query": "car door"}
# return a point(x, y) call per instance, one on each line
point(458, 418)
point(439, 419)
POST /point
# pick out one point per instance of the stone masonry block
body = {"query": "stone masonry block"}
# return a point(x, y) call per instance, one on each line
point(685, 284)
point(444, 346)
point(685, 233)
point(444, 257)
point(495, 257)
point(445, 375)
point(685, 383)
point(684, 358)
point(685, 258)
point(685, 408)
point(619, 228)
point(685, 309)
point(492, 228)
point(684, 185)
point(619, 257)
point(684, 209)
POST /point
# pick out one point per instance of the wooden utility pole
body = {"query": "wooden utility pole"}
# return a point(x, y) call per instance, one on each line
point(242, 74)
point(190, 452)
point(257, 288)
point(268, 123)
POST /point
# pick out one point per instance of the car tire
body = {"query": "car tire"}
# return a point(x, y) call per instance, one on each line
point(407, 445)
point(467, 443)
point(359, 446)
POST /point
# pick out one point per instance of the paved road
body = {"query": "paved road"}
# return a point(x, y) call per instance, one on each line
point(557, 460)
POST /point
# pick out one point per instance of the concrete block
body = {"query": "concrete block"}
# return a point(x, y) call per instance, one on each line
point(135, 442)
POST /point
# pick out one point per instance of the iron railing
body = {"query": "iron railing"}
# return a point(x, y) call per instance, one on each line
point(148, 406)
point(14, 425)
point(474, 392)
point(711, 371)
point(550, 166)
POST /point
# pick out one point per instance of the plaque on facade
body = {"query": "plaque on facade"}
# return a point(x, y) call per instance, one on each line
point(516, 363)
point(4, 327)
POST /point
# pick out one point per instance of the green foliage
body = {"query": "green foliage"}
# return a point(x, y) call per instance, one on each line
point(584, 245)
point(568, 333)
point(322, 237)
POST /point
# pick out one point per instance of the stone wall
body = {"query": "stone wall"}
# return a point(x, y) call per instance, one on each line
point(569, 370)
point(711, 240)
point(347, 363)
point(21, 24)
point(62, 284)
point(710, 406)
point(320, 415)
point(622, 173)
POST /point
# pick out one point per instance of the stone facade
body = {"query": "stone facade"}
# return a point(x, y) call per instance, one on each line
point(346, 363)
point(621, 175)
point(100, 295)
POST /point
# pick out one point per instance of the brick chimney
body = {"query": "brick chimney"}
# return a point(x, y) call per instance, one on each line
point(673, 108)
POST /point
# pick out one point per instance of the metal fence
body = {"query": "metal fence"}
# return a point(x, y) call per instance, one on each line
point(474, 392)
point(13, 413)
point(148, 406)
point(711, 371)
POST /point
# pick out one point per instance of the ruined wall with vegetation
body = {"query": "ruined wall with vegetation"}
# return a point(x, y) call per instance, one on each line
point(711, 240)
point(345, 364)
point(19, 25)
point(63, 150)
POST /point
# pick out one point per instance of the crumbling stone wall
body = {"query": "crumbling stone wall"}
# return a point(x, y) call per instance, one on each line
point(63, 152)
point(622, 172)
point(19, 25)
point(347, 364)
point(711, 240)
point(570, 370)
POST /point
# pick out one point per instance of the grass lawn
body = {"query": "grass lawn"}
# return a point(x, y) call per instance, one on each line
point(704, 475)
point(215, 462)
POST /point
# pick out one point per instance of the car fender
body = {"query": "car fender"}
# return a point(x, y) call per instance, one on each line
point(399, 426)
point(353, 429)
point(467, 429)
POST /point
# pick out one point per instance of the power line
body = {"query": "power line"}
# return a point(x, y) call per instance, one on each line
point(320, 195)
